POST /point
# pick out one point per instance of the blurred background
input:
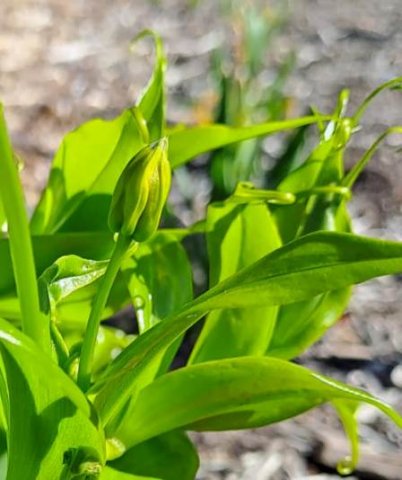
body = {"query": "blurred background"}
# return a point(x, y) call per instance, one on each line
point(62, 63)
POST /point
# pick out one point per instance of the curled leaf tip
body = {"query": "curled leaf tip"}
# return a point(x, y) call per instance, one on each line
point(345, 466)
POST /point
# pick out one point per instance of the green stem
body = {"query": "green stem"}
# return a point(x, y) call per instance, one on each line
point(394, 83)
point(349, 180)
point(34, 323)
point(88, 346)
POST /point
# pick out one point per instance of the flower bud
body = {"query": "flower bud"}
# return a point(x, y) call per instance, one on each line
point(141, 192)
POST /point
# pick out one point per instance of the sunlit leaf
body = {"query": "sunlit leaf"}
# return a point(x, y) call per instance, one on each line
point(237, 236)
point(186, 143)
point(99, 150)
point(314, 264)
point(233, 394)
point(50, 421)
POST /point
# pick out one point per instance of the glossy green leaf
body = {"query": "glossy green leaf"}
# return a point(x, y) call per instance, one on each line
point(51, 423)
point(73, 312)
point(66, 275)
point(171, 456)
point(186, 143)
point(301, 324)
point(314, 264)
point(98, 150)
point(159, 279)
point(237, 393)
point(237, 236)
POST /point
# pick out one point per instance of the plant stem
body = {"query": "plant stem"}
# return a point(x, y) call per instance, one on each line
point(34, 323)
point(88, 346)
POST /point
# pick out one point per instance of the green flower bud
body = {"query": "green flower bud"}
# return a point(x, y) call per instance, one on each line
point(141, 192)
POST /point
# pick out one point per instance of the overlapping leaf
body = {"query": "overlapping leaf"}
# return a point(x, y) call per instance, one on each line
point(99, 150)
point(314, 264)
point(237, 236)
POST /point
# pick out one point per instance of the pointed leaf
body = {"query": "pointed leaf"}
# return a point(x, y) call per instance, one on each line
point(187, 143)
point(236, 393)
point(314, 264)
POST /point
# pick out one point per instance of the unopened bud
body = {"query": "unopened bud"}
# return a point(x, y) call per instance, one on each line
point(141, 193)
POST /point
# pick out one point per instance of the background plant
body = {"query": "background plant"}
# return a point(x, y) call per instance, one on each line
point(130, 412)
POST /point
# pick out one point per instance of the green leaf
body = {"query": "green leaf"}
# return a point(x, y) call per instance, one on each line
point(99, 150)
point(109, 342)
point(289, 160)
point(66, 275)
point(159, 279)
point(47, 249)
point(234, 394)
point(2, 218)
point(152, 102)
point(232, 164)
point(50, 420)
point(171, 456)
point(301, 324)
point(237, 236)
point(186, 143)
point(314, 264)
point(324, 166)
point(63, 278)
point(73, 312)
point(109, 473)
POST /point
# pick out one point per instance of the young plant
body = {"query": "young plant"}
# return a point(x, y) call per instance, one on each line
point(83, 400)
